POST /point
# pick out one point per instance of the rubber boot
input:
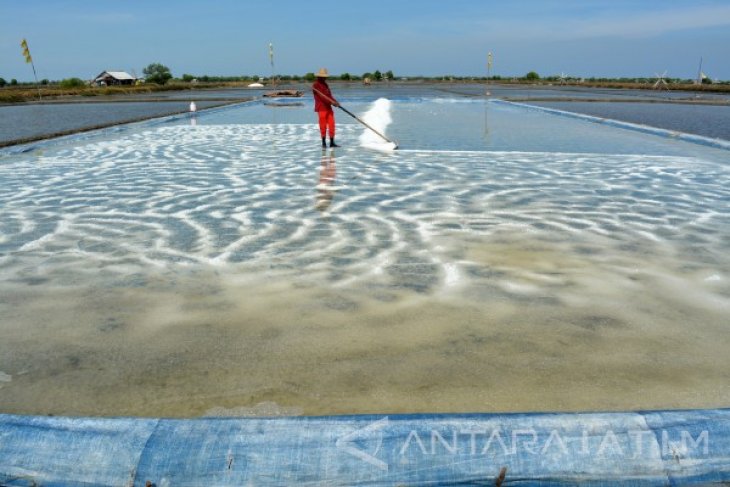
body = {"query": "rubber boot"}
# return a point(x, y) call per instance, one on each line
point(324, 142)
point(332, 142)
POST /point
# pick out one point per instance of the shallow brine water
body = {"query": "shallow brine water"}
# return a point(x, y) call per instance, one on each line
point(232, 267)
point(25, 121)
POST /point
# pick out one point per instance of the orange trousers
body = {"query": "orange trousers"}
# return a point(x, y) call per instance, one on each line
point(327, 121)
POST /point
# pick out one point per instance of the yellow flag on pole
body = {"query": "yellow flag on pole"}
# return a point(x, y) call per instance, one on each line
point(26, 51)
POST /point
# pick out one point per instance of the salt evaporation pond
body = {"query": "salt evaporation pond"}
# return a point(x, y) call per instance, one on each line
point(504, 259)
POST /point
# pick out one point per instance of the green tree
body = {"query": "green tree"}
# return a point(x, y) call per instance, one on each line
point(309, 77)
point(13, 82)
point(72, 83)
point(389, 75)
point(157, 73)
point(188, 78)
point(377, 75)
point(3, 82)
point(367, 75)
point(532, 76)
point(345, 77)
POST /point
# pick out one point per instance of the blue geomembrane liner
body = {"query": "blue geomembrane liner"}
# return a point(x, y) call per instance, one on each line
point(641, 448)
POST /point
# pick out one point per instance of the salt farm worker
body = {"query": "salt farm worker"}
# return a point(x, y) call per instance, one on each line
point(323, 101)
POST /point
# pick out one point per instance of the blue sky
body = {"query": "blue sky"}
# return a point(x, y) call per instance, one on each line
point(226, 37)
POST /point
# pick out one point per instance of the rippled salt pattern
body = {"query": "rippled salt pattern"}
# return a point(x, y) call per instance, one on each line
point(233, 194)
point(174, 270)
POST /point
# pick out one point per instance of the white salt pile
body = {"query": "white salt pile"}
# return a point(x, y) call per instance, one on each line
point(378, 117)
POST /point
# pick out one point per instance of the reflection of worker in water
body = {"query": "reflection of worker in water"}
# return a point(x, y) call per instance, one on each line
point(325, 189)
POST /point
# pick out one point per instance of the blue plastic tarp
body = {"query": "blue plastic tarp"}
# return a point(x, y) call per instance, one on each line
point(639, 448)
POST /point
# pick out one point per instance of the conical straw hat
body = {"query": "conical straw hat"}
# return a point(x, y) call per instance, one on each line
point(322, 73)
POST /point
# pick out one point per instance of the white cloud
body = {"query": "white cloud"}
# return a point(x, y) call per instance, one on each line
point(629, 24)
point(649, 24)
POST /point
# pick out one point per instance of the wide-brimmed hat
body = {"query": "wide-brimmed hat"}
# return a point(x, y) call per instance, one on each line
point(322, 73)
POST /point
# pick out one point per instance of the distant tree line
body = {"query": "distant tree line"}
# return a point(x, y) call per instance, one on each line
point(375, 76)
point(160, 74)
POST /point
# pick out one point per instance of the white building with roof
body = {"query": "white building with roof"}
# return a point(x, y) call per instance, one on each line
point(108, 78)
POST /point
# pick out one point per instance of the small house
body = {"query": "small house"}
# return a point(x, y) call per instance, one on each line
point(111, 78)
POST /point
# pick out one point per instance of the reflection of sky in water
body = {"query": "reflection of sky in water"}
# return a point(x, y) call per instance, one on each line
point(231, 221)
point(707, 120)
point(24, 120)
point(463, 124)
